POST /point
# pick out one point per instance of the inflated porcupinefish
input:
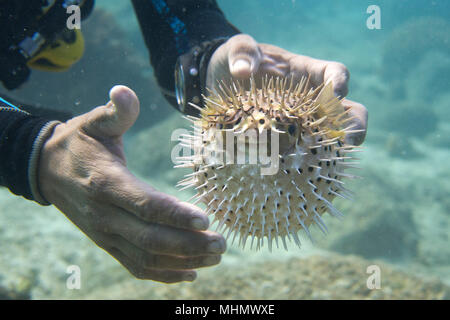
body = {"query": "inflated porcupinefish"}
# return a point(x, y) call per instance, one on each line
point(269, 161)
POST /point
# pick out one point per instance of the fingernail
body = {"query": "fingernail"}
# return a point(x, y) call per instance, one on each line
point(216, 246)
point(199, 224)
point(191, 276)
point(241, 65)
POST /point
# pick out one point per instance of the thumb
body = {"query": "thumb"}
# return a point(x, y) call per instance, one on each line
point(244, 56)
point(114, 119)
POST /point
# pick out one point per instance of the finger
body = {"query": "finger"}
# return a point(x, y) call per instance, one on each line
point(338, 74)
point(359, 122)
point(158, 261)
point(321, 71)
point(113, 244)
point(244, 56)
point(162, 239)
point(166, 276)
point(275, 61)
point(114, 119)
point(150, 205)
point(164, 209)
point(272, 68)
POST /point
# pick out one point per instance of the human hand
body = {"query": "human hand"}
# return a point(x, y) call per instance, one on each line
point(83, 173)
point(241, 56)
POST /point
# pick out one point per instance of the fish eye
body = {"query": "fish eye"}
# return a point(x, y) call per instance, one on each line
point(291, 129)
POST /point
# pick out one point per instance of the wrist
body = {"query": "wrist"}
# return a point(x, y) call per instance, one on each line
point(34, 162)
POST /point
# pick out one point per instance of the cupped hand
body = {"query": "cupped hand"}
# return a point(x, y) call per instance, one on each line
point(241, 56)
point(83, 173)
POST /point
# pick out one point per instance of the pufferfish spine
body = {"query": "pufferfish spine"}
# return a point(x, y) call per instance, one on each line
point(310, 125)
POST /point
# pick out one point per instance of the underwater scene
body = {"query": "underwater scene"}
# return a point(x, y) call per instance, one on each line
point(393, 240)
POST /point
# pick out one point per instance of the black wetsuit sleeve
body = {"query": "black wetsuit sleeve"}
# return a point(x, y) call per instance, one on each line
point(18, 132)
point(172, 27)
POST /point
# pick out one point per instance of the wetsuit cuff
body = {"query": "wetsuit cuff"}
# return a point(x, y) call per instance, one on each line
point(33, 164)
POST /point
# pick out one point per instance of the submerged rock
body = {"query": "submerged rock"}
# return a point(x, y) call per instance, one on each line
point(316, 277)
point(22, 291)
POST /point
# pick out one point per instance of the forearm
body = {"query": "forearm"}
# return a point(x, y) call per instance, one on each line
point(21, 138)
point(172, 28)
